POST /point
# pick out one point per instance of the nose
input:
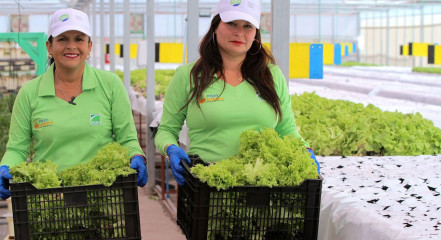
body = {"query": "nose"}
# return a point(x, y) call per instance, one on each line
point(239, 30)
point(71, 45)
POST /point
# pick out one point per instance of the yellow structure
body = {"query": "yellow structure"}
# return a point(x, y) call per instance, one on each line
point(419, 49)
point(328, 53)
point(405, 50)
point(299, 60)
point(170, 52)
point(437, 55)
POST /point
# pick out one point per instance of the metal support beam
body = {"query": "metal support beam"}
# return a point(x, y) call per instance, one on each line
point(112, 35)
point(94, 30)
point(381, 38)
point(422, 29)
point(126, 45)
point(193, 30)
point(387, 37)
point(37, 53)
point(374, 39)
point(358, 37)
point(101, 45)
point(150, 101)
point(280, 34)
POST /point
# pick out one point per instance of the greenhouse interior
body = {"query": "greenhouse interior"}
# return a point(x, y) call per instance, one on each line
point(363, 78)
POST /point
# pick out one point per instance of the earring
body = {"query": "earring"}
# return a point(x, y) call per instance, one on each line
point(214, 39)
point(258, 50)
point(88, 56)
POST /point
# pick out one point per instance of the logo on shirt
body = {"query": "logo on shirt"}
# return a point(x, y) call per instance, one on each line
point(42, 123)
point(95, 119)
point(235, 2)
point(210, 98)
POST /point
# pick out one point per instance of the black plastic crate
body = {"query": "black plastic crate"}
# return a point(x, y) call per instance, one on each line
point(81, 212)
point(248, 212)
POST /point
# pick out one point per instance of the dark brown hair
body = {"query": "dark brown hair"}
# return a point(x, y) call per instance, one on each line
point(254, 68)
point(50, 59)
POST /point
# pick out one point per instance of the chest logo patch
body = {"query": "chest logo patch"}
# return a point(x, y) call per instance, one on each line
point(95, 120)
point(210, 98)
point(42, 123)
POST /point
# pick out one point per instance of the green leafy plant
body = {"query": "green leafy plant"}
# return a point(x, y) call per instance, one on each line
point(352, 64)
point(338, 127)
point(110, 162)
point(435, 70)
point(39, 174)
point(264, 159)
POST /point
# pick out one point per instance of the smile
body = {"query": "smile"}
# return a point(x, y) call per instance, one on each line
point(71, 55)
point(237, 42)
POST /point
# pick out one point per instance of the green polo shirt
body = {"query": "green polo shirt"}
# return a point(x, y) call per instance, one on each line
point(70, 134)
point(225, 112)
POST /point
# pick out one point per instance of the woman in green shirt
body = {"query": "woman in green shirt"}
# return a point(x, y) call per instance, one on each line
point(72, 110)
point(234, 86)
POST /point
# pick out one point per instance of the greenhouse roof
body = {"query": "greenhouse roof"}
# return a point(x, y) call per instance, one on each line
point(180, 6)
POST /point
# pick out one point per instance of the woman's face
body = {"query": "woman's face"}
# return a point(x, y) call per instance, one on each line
point(70, 49)
point(235, 38)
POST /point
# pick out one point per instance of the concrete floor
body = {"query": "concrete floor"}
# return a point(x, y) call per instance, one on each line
point(4, 231)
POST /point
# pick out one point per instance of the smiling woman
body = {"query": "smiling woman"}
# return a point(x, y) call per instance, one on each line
point(69, 51)
point(72, 110)
point(234, 86)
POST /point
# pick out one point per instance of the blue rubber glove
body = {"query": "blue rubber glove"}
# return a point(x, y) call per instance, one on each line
point(4, 182)
point(175, 154)
point(315, 159)
point(138, 164)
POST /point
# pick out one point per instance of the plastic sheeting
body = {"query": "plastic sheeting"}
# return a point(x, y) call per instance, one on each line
point(393, 197)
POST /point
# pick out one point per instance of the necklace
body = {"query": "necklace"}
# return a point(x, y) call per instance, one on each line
point(71, 101)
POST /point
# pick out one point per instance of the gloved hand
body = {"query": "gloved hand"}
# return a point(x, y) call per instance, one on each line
point(175, 154)
point(138, 164)
point(315, 159)
point(4, 182)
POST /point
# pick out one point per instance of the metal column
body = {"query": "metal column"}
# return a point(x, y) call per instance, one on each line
point(358, 37)
point(150, 101)
point(374, 39)
point(422, 30)
point(280, 34)
point(94, 30)
point(112, 35)
point(387, 37)
point(101, 45)
point(126, 46)
point(193, 30)
point(381, 38)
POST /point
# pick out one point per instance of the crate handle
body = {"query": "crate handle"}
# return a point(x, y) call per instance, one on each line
point(75, 199)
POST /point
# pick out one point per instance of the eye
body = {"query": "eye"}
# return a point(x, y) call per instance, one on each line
point(62, 39)
point(248, 26)
point(231, 24)
point(79, 39)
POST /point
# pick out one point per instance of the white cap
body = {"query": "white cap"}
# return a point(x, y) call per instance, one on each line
point(68, 19)
point(248, 10)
